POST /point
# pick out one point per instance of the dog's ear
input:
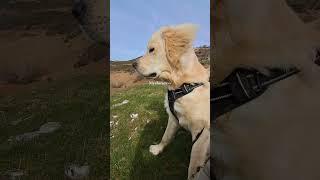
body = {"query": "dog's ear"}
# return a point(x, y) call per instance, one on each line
point(178, 39)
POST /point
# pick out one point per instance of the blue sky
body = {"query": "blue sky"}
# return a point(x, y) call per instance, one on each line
point(132, 23)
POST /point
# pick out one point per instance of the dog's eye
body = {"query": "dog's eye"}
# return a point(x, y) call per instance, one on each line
point(151, 50)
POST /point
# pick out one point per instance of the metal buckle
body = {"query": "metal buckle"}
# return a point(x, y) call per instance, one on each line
point(184, 89)
point(242, 85)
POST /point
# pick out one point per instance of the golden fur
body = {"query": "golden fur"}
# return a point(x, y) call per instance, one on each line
point(275, 136)
point(171, 57)
point(177, 41)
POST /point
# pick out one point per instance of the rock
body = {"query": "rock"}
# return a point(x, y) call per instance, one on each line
point(134, 115)
point(74, 171)
point(15, 174)
point(49, 127)
point(203, 54)
point(120, 104)
point(27, 136)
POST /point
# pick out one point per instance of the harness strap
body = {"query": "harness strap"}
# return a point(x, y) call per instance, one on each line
point(173, 95)
point(197, 136)
point(317, 57)
point(242, 86)
point(171, 106)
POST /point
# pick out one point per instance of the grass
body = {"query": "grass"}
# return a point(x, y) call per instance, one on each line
point(130, 140)
point(80, 104)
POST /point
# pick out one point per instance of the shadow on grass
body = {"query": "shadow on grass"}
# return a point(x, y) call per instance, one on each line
point(173, 162)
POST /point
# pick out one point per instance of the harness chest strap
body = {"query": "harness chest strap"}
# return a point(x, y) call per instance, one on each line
point(173, 95)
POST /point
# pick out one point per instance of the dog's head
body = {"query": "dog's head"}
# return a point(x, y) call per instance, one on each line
point(93, 18)
point(169, 52)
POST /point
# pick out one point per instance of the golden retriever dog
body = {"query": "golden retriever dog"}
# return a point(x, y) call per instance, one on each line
point(171, 58)
point(276, 135)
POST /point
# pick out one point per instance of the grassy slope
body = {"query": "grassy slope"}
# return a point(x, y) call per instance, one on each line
point(130, 159)
point(80, 105)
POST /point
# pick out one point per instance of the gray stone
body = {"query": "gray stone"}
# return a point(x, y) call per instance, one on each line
point(27, 136)
point(74, 171)
point(15, 174)
point(49, 127)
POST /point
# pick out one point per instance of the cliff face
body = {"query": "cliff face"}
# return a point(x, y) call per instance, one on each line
point(203, 54)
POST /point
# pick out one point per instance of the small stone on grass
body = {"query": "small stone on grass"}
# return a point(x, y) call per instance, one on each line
point(134, 115)
point(74, 171)
point(120, 104)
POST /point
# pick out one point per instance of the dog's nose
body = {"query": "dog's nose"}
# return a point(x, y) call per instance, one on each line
point(135, 64)
point(79, 9)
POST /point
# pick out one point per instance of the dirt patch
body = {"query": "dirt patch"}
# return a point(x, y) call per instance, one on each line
point(120, 80)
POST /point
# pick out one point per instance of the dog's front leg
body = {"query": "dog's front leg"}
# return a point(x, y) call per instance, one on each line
point(168, 135)
point(199, 153)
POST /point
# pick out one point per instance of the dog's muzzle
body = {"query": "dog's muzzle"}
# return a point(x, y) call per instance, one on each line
point(135, 63)
point(135, 66)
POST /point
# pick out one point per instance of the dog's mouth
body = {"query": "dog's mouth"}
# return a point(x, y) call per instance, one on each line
point(148, 76)
point(152, 75)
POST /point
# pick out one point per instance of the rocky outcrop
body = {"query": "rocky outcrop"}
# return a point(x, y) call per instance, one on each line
point(203, 54)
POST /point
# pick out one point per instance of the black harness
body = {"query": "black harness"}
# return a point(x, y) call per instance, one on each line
point(183, 90)
point(242, 86)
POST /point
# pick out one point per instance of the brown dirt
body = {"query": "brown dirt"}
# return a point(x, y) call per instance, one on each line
point(27, 56)
point(121, 80)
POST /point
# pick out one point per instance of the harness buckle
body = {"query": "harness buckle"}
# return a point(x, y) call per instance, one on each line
point(185, 89)
point(249, 83)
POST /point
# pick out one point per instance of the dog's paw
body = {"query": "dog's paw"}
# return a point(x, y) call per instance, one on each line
point(156, 149)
